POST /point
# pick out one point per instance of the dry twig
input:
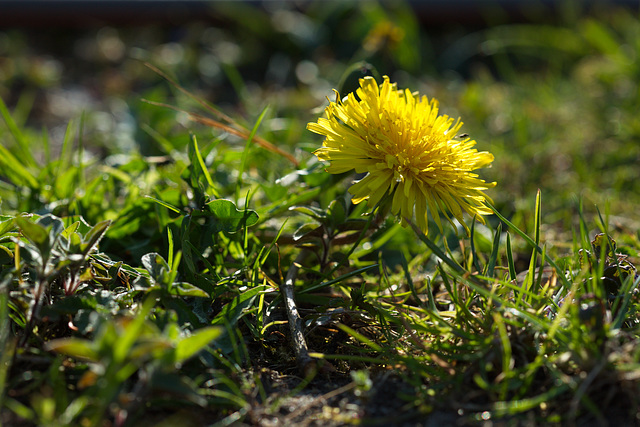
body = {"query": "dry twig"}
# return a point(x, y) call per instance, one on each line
point(305, 362)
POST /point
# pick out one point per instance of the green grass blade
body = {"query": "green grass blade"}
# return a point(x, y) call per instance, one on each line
point(628, 290)
point(431, 298)
point(338, 279)
point(378, 242)
point(360, 337)
point(203, 166)
point(163, 142)
point(46, 146)
point(15, 170)
point(235, 78)
point(538, 282)
point(189, 248)
point(435, 249)
point(510, 262)
point(21, 410)
point(165, 204)
point(407, 275)
point(512, 407)
point(531, 277)
point(245, 152)
point(475, 260)
point(23, 144)
point(584, 230)
point(80, 177)
point(170, 248)
point(235, 309)
point(561, 273)
point(491, 264)
point(196, 342)
point(262, 258)
point(65, 154)
point(23, 107)
point(507, 359)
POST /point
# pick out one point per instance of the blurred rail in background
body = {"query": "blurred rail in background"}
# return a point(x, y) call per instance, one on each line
point(89, 13)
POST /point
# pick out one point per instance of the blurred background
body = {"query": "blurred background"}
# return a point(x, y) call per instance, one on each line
point(549, 87)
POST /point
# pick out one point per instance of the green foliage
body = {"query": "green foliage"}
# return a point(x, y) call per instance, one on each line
point(141, 283)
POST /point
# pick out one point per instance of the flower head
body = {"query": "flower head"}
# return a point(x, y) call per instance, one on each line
point(408, 152)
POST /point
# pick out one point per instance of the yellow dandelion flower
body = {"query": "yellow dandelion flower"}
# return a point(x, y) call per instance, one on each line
point(408, 152)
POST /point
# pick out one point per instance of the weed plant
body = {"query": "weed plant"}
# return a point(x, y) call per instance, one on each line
point(146, 287)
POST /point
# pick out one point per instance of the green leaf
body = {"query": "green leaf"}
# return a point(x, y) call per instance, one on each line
point(75, 223)
point(226, 216)
point(185, 289)
point(71, 229)
point(234, 310)
point(601, 37)
point(146, 347)
point(71, 305)
point(75, 347)
point(158, 268)
point(188, 248)
point(178, 386)
point(94, 236)
point(31, 255)
point(307, 230)
point(132, 332)
point(130, 220)
point(191, 345)
point(338, 211)
point(35, 233)
point(54, 225)
point(316, 213)
point(74, 409)
point(19, 409)
point(6, 226)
